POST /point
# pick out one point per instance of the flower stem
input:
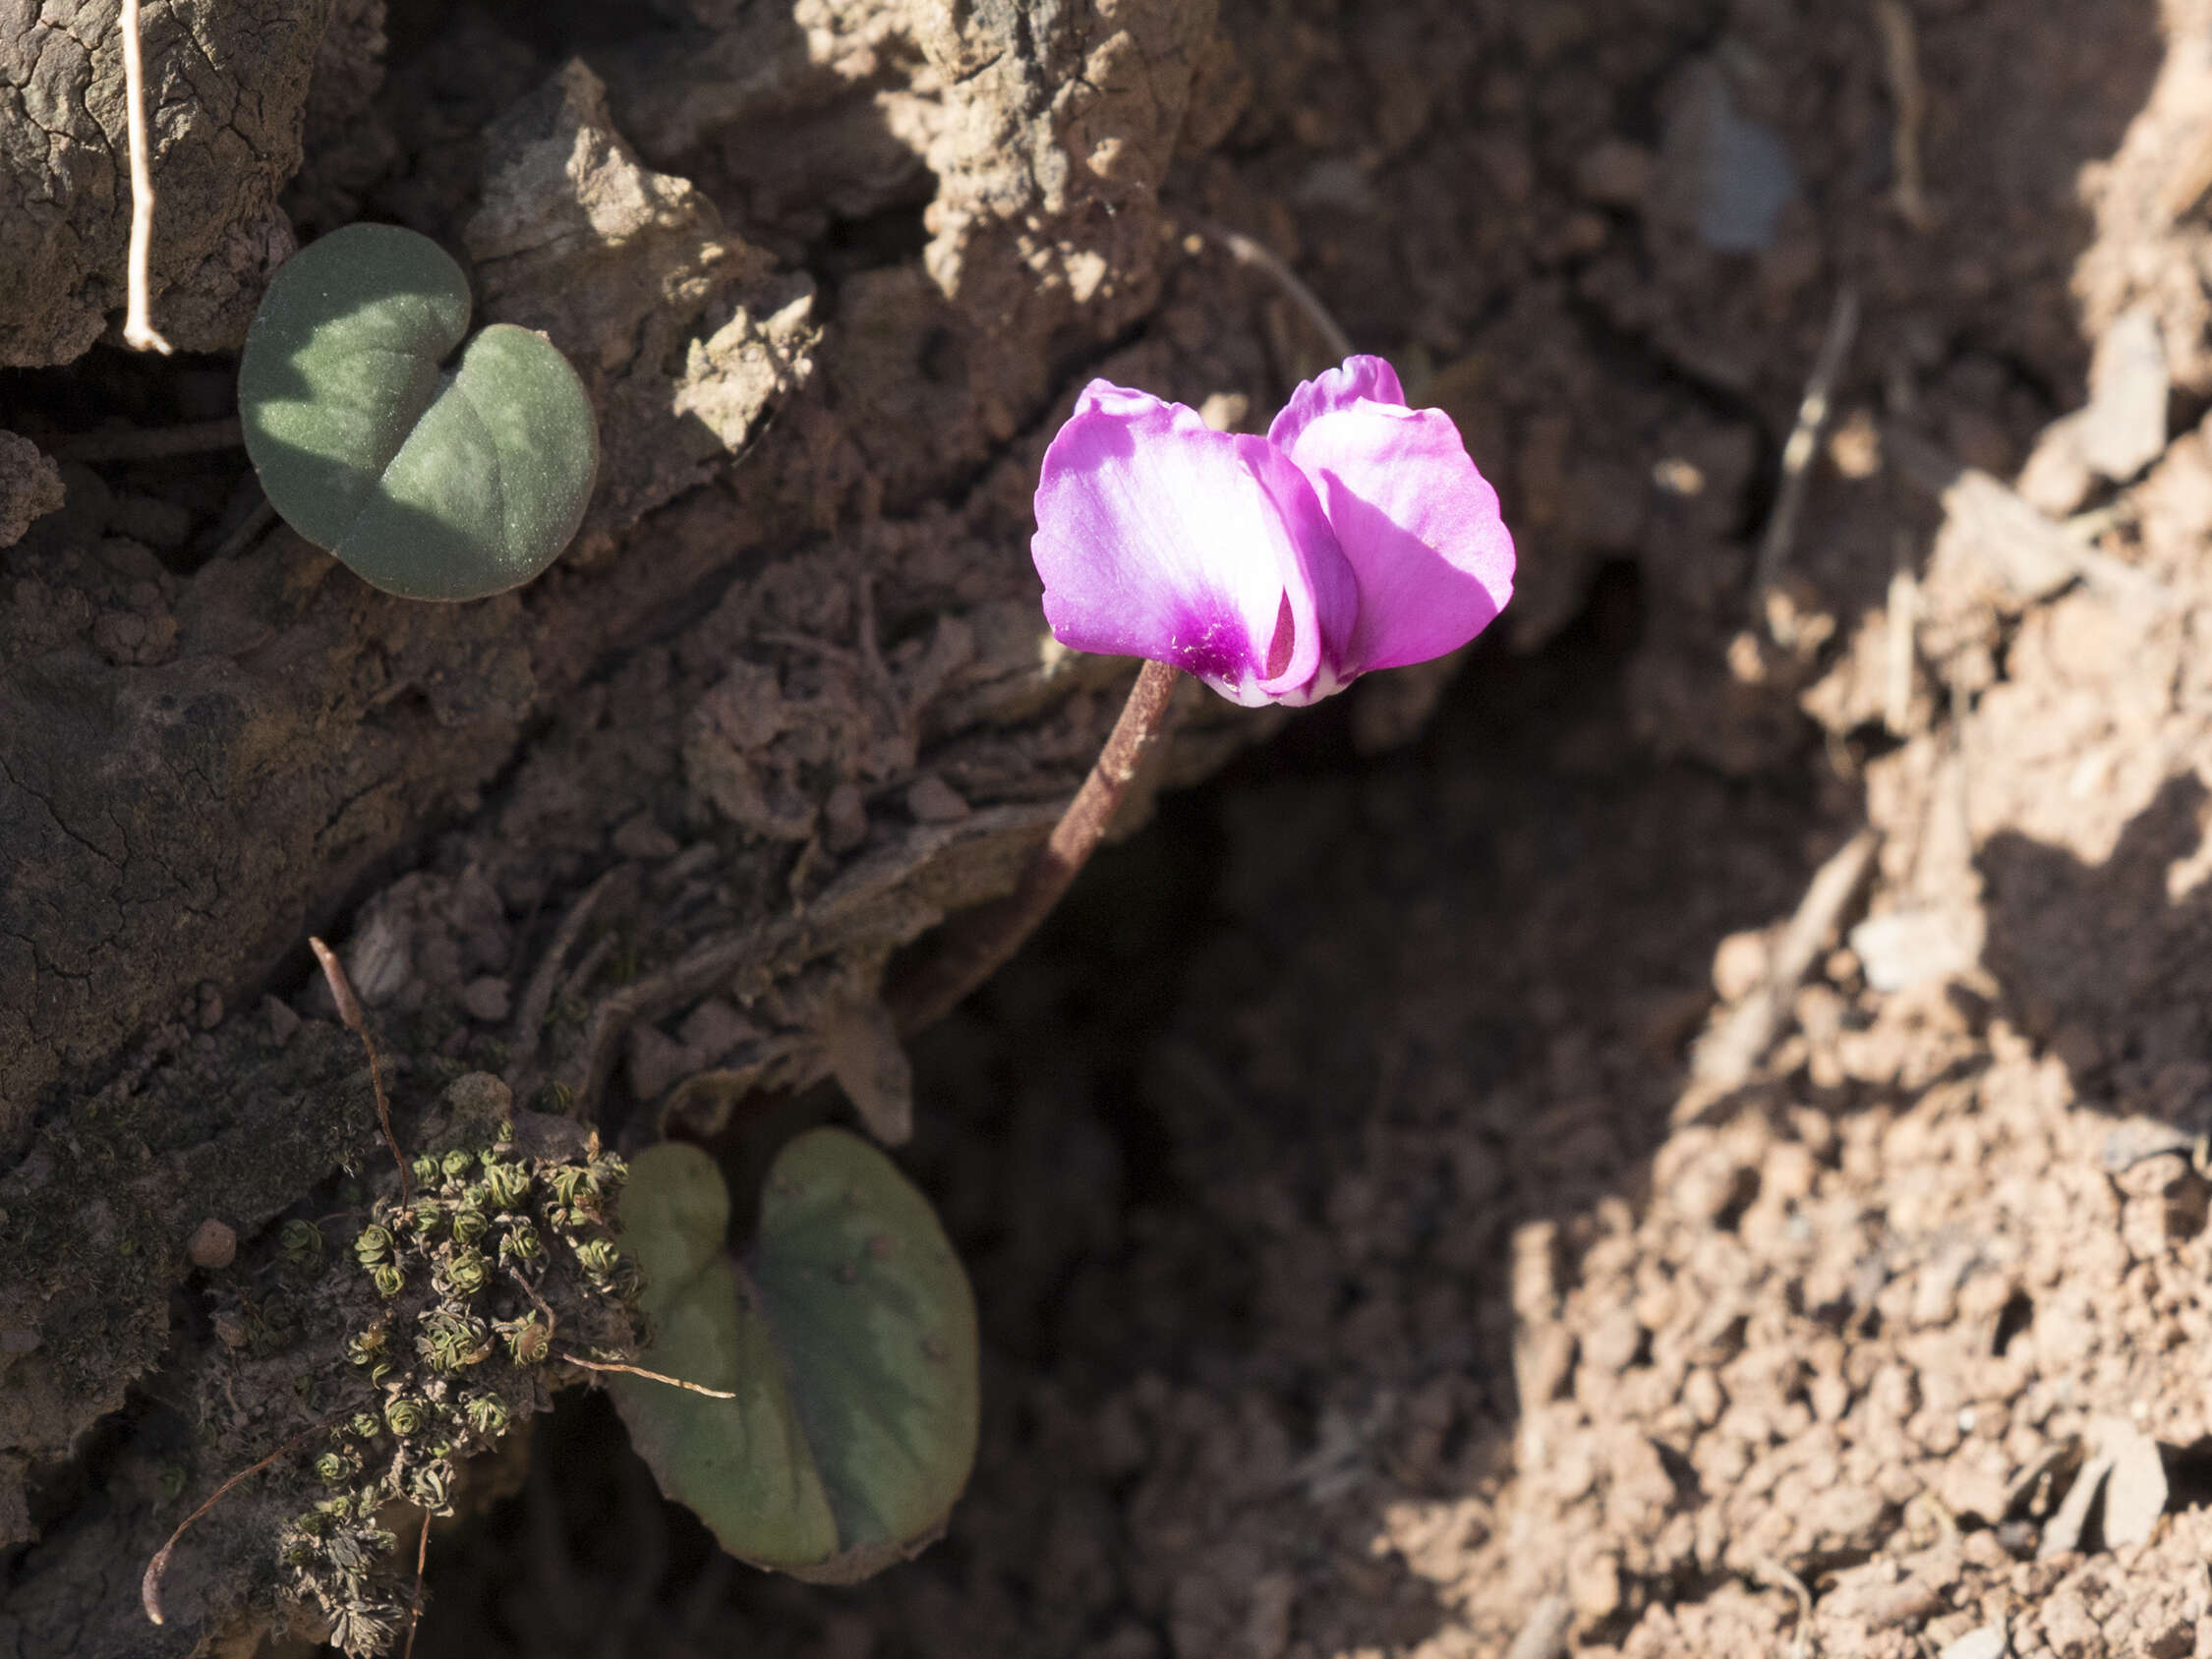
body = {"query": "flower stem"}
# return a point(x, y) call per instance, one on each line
point(977, 944)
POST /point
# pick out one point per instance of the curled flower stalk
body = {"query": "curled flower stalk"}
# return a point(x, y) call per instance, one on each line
point(984, 940)
point(1357, 535)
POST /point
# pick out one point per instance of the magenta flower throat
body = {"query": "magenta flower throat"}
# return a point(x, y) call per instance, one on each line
point(1355, 535)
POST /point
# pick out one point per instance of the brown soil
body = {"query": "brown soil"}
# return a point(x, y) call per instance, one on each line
point(1420, 1199)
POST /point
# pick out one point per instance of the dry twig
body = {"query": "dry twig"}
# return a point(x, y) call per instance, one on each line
point(239, 540)
point(2028, 554)
point(415, 1603)
point(1804, 439)
point(536, 998)
point(138, 332)
point(711, 962)
point(1728, 1055)
point(1908, 96)
point(349, 1011)
point(640, 1371)
point(1768, 1571)
point(1902, 621)
point(1544, 1635)
point(1248, 250)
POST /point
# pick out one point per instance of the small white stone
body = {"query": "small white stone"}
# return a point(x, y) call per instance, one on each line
point(1987, 1643)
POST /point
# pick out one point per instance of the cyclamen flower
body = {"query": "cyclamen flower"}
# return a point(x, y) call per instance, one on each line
point(1355, 535)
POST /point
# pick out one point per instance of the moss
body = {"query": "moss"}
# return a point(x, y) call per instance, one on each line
point(463, 1294)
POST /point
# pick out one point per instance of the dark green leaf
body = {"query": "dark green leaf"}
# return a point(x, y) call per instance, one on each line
point(430, 483)
point(849, 1335)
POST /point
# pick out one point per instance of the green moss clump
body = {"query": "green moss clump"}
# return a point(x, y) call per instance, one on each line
point(496, 1262)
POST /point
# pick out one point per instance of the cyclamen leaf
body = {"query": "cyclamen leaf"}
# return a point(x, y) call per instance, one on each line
point(429, 483)
point(848, 1334)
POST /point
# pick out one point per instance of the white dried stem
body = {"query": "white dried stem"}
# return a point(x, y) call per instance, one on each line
point(138, 332)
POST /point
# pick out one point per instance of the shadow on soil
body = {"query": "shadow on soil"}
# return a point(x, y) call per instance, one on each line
point(2111, 964)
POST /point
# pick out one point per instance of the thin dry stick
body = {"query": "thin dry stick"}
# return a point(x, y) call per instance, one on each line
point(1909, 98)
point(1898, 640)
point(553, 1323)
point(149, 1586)
point(1797, 454)
point(1245, 251)
point(138, 321)
point(236, 542)
point(349, 1011)
point(154, 443)
point(708, 963)
point(422, 1568)
point(981, 942)
point(641, 1371)
point(536, 998)
point(1767, 1569)
point(552, 1319)
point(1726, 1056)
point(1545, 1633)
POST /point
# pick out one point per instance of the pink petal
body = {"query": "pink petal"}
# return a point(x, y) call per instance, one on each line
point(1158, 536)
point(1416, 521)
point(1359, 380)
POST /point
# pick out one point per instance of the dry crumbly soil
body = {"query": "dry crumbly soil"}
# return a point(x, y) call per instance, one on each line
point(1388, 1240)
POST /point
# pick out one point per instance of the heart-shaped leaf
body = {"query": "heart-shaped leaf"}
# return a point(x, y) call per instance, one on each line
point(847, 1333)
point(430, 482)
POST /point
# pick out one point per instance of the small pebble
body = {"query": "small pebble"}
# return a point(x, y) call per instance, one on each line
point(213, 1244)
point(487, 998)
point(1615, 174)
point(1987, 1643)
point(934, 801)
